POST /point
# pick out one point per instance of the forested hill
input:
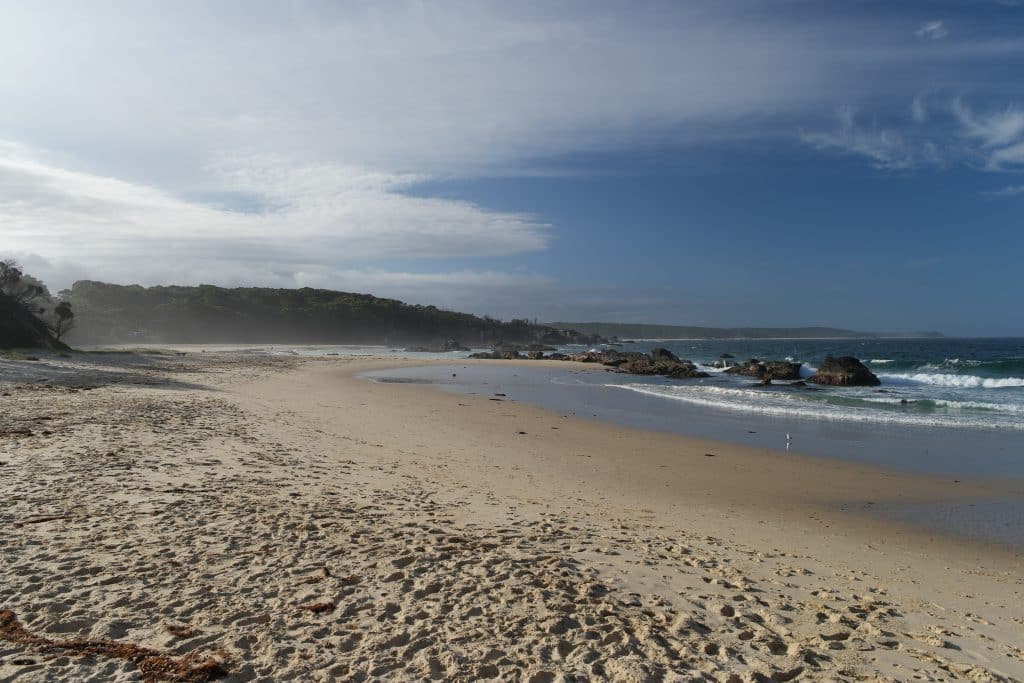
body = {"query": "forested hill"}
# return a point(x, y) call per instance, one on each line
point(109, 313)
point(643, 331)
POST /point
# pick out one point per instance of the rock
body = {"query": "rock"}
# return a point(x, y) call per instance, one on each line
point(845, 371)
point(752, 368)
point(610, 357)
point(497, 355)
point(535, 355)
point(661, 354)
point(613, 358)
point(449, 345)
point(783, 370)
point(677, 369)
point(684, 369)
point(773, 369)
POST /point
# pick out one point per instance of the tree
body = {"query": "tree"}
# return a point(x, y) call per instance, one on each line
point(25, 290)
point(63, 319)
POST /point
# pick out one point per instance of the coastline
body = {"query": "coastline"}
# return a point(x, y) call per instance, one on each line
point(758, 479)
point(647, 515)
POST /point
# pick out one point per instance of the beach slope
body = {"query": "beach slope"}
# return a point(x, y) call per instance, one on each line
point(184, 517)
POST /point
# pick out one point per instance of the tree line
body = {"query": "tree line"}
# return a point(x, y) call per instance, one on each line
point(109, 313)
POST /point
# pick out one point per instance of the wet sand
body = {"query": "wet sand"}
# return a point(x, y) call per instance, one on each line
point(290, 520)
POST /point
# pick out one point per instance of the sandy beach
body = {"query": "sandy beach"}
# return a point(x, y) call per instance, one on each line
point(186, 517)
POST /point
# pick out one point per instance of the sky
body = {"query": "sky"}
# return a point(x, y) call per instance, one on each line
point(775, 163)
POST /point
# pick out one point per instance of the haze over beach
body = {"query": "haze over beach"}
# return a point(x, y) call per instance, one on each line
point(547, 342)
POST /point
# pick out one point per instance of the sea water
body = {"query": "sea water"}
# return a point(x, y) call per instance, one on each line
point(965, 383)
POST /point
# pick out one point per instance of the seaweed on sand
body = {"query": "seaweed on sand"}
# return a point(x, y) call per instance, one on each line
point(153, 664)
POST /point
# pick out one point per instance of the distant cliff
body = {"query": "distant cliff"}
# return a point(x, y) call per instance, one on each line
point(644, 331)
point(107, 313)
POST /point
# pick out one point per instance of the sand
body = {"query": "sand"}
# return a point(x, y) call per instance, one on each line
point(282, 519)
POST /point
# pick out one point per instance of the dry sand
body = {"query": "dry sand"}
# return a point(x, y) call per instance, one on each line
point(171, 516)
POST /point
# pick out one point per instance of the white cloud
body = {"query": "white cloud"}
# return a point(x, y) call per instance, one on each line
point(932, 30)
point(887, 148)
point(992, 140)
point(149, 91)
point(993, 129)
point(307, 217)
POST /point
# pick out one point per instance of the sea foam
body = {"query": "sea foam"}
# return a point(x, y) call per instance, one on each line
point(956, 381)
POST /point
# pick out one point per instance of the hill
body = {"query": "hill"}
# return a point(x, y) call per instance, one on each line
point(108, 313)
point(19, 329)
point(645, 331)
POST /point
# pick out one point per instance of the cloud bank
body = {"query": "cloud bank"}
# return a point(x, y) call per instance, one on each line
point(313, 224)
point(283, 143)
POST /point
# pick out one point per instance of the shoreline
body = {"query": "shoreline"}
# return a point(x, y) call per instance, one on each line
point(224, 494)
point(827, 484)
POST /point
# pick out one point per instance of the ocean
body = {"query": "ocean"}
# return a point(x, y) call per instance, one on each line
point(960, 383)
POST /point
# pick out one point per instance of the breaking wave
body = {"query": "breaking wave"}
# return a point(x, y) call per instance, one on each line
point(953, 380)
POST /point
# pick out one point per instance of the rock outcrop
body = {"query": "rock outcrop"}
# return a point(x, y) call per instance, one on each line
point(772, 369)
point(661, 361)
point(845, 371)
point(660, 354)
point(498, 354)
point(676, 369)
point(449, 345)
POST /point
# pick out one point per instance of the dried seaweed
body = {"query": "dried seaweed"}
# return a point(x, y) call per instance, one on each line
point(179, 631)
point(319, 607)
point(153, 664)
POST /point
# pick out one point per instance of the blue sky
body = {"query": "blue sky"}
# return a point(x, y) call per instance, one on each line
point(731, 163)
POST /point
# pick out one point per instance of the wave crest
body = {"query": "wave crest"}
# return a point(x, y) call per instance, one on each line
point(955, 381)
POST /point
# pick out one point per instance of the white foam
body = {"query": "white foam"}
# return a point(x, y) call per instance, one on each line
point(794, 405)
point(956, 381)
point(949, 404)
point(881, 361)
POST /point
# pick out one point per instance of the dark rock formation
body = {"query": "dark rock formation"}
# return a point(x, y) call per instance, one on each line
point(772, 369)
point(498, 354)
point(845, 371)
point(677, 369)
point(663, 355)
point(449, 345)
point(610, 357)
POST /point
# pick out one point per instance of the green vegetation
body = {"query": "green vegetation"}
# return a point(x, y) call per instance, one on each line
point(29, 316)
point(107, 313)
point(644, 331)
